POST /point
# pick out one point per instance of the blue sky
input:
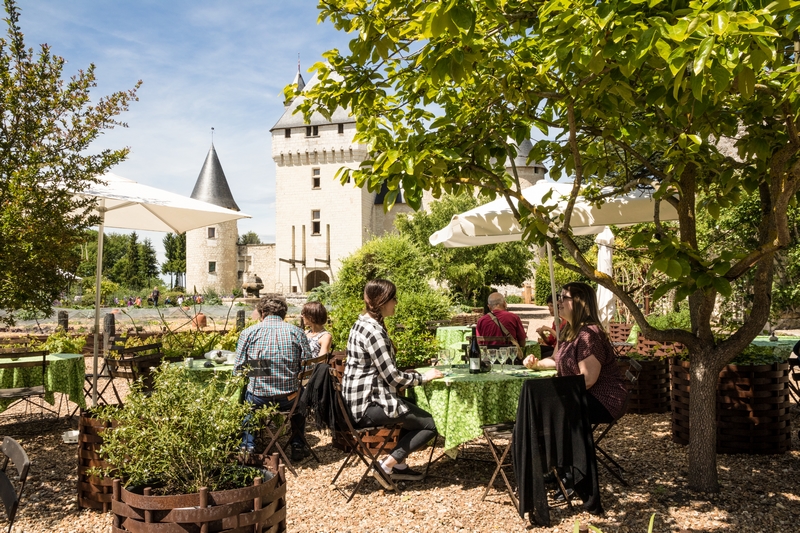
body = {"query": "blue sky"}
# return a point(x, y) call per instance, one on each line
point(204, 64)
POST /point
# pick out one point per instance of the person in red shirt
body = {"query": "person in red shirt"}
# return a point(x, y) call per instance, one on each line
point(489, 324)
point(547, 335)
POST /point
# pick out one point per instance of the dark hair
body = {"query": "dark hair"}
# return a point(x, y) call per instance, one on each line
point(377, 293)
point(272, 305)
point(549, 299)
point(315, 312)
point(584, 309)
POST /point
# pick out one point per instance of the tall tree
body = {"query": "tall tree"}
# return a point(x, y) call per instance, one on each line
point(175, 251)
point(437, 88)
point(47, 125)
point(466, 270)
point(148, 262)
point(132, 270)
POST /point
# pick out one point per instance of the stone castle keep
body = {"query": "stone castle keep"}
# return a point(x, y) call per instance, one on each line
point(319, 221)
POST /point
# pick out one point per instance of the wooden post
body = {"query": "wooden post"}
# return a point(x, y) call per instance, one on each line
point(148, 515)
point(109, 330)
point(63, 320)
point(240, 319)
point(115, 495)
point(203, 505)
point(257, 505)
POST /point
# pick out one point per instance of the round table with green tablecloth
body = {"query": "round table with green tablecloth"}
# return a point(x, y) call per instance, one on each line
point(65, 373)
point(462, 402)
point(783, 345)
point(203, 373)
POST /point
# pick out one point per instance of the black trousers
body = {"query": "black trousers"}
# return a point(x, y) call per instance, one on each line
point(418, 427)
point(598, 414)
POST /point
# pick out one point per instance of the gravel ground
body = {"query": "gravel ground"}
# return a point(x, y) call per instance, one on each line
point(759, 493)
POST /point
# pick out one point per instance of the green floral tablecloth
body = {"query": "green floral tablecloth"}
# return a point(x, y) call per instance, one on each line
point(447, 336)
point(200, 373)
point(783, 346)
point(461, 403)
point(65, 373)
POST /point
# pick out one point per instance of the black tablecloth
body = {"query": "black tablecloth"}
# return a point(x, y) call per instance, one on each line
point(553, 429)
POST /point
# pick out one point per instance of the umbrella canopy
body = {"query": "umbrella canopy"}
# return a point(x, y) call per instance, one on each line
point(126, 204)
point(606, 305)
point(494, 222)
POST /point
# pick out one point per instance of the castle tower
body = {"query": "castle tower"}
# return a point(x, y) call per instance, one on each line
point(211, 252)
point(320, 221)
point(529, 173)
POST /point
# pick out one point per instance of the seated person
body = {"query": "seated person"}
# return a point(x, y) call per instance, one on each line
point(499, 322)
point(313, 318)
point(285, 347)
point(585, 349)
point(372, 381)
point(547, 334)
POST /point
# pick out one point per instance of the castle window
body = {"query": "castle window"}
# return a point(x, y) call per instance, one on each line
point(315, 178)
point(341, 128)
point(315, 222)
point(212, 267)
point(287, 133)
point(212, 233)
point(312, 131)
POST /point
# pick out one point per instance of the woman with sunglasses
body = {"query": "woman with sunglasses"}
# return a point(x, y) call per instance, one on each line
point(586, 349)
point(371, 383)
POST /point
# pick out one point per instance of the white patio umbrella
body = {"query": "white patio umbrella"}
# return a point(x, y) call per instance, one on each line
point(494, 222)
point(126, 204)
point(606, 304)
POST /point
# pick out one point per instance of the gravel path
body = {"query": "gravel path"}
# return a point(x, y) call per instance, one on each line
point(759, 493)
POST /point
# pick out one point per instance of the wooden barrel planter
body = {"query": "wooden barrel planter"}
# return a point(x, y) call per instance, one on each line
point(752, 408)
point(93, 492)
point(651, 394)
point(259, 507)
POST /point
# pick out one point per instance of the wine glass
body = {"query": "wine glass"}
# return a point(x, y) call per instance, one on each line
point(504, 356)
point(492, 355)
point(445, 358)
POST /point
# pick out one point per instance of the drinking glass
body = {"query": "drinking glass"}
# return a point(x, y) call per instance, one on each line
point(504, 356)
point(445, 359)
point(493, 355)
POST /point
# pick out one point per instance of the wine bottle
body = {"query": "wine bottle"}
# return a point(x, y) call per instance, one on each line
point(474, 353)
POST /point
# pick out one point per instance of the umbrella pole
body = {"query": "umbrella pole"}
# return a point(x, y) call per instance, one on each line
point(98, 277)
point(553, 292)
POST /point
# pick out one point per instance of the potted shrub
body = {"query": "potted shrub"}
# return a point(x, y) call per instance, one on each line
point(752, 402)
point(175, 453)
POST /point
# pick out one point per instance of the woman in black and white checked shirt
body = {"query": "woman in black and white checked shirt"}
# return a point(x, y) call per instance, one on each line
point(371, 382)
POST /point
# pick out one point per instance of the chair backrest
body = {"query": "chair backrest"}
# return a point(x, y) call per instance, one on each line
point(308, 368)
point(11, 497)
point(133, 363)
point(631, 377)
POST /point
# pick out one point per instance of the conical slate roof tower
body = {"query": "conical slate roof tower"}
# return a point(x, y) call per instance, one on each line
point(211, 185)
point(211, 252)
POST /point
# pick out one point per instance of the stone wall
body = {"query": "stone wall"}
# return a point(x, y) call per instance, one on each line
point(220, 249)
point(259, 259)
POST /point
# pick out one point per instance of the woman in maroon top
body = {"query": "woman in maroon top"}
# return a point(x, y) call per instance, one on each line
point(586, 349)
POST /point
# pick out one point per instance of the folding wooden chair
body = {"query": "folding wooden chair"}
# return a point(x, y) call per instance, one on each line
point(131, 365)
point(11, 498)
point(493, 434)
point(305, 374)
point(365, 444)
point(599, 431)
point(26, 359)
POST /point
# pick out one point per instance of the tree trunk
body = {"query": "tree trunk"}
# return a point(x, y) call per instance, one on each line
point(703, 427)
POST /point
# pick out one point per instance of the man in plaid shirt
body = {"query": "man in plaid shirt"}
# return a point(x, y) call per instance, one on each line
point(274, 352)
